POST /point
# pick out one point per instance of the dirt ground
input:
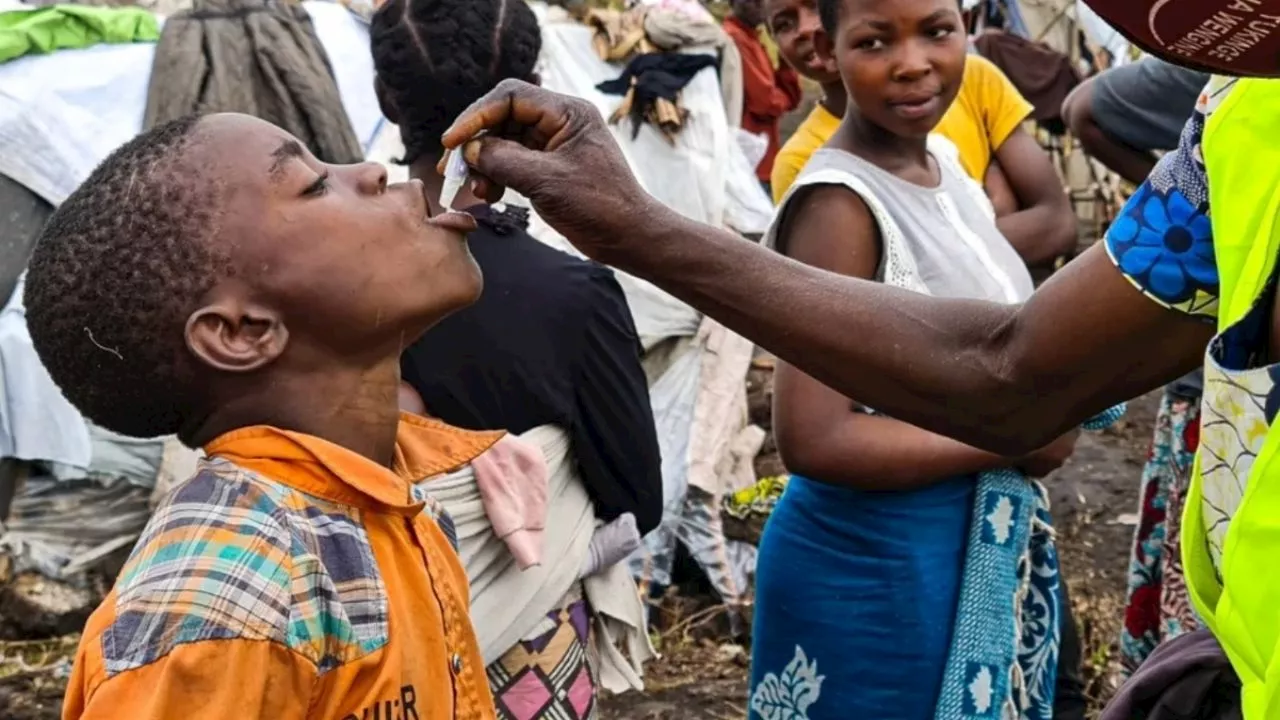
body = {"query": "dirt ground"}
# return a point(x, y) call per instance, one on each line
point(703, 676)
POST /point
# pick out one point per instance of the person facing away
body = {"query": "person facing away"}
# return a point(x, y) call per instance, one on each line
point(551, 340)
point(861, 564)
point(212, 279)
point(769, 91)
point(984, 122)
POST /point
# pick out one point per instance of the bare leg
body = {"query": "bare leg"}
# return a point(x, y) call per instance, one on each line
point(1129, 163)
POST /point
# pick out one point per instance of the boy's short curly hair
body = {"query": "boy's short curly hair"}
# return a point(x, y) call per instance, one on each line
point(436, 57)
point(113, 277)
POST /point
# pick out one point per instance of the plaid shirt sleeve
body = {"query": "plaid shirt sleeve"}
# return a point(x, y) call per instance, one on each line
point(203, 620)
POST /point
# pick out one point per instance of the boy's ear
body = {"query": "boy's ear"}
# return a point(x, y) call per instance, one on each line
point(385, 104)
point(234, 336)
point(825, 50)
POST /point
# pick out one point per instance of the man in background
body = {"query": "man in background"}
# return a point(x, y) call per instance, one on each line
point(770, 91)
point(1124, 116)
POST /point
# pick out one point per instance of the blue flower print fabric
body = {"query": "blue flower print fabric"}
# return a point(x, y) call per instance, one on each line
point(1164, 245)
point(1162, 240)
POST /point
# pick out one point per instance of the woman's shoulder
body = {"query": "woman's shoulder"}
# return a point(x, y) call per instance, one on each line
point(832, 166)
point(830, 176)
point(945, 150)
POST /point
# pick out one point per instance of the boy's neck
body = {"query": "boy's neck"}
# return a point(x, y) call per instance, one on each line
point(424, 169)
point(355, 409)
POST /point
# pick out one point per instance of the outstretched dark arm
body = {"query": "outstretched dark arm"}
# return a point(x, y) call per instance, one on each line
point(1005, 378)
point(1008, 379)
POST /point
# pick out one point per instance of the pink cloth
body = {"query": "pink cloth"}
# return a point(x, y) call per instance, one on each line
point(512, 477)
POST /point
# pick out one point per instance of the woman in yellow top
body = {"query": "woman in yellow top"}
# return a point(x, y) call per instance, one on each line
point(984, 123)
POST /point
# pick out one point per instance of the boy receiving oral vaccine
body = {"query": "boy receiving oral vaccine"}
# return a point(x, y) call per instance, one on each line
point(212, 279)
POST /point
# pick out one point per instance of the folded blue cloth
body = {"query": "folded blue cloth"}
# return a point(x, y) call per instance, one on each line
point(1004, 649)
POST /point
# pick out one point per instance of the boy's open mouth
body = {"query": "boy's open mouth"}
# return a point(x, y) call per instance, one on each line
point(449, 219)
point(453, 220)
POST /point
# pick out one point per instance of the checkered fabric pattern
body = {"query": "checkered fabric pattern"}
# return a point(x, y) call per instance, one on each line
point(232, 554)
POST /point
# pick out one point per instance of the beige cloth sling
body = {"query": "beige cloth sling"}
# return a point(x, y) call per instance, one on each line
point(508, 605)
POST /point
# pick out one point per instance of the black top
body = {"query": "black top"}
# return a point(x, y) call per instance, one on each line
point(551, 341)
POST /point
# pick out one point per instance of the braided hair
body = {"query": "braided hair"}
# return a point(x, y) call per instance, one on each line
point(436, 57)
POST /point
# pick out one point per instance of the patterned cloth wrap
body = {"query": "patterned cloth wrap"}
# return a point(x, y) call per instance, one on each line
point(550, 676)
point(1004, 648)
point(1157, 607)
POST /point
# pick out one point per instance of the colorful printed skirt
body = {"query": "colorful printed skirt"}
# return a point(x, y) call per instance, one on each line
point(1157, 606)
point(549, 677)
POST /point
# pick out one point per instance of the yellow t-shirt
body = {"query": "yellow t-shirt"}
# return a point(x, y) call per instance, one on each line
point(812, 134)
point(985, 113)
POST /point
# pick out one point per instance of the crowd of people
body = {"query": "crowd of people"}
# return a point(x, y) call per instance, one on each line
point(429, 439)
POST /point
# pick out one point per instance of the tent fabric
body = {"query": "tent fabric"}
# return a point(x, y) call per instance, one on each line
point(1100, 33)
point(62, 114)
point(36, 421)
point(259, 57)
point(699, 396)
point(60, 27)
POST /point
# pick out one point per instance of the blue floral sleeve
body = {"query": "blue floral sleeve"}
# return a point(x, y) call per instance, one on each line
point(1162, 240)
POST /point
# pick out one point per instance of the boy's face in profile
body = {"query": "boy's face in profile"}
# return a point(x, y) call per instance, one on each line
point(794, 25)
point(328, 263)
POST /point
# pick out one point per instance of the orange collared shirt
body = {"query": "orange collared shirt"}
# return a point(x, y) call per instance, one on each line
point(291, 578)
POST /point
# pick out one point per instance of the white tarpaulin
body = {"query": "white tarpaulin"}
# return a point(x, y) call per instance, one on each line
point(1102, 34)
point(62, 114)
point(699, 400)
